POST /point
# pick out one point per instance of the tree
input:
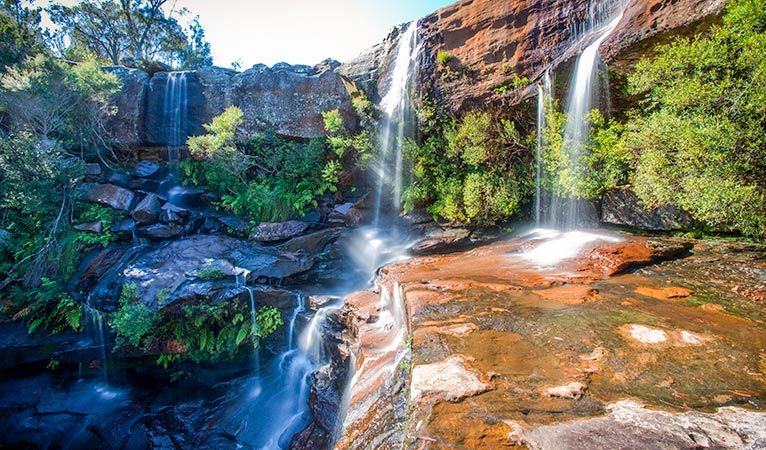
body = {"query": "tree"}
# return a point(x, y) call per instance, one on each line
point(19, 27)
point(133, 31)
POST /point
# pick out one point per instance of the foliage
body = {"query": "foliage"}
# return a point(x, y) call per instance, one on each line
point(19, 28)
point(444, 57)
point(86, 212)
point(597, 167)
point(56, 101)
point(467, 170)
point(214, 333)
point(211, 273)
point(133, 320)
point(264, 178)
point(130, 31)
point(698, 138)
point(48, 307)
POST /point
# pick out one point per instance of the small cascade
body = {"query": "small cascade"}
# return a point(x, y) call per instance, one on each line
point(291, 326)
point(544, 104)
point(604, 16)
point(176, 113)
point(398, 121)
point(96, 332)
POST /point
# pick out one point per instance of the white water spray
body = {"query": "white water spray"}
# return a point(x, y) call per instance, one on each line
point(397, 113)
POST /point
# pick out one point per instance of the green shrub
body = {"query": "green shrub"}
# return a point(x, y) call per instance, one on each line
point(443, 57)
point(211, 273)
point(264, 178)
point(133, 321)
point(467, 171)
point(47, 307)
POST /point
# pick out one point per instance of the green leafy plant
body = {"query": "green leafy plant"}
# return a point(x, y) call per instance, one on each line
point(133, 320)
point(444, 57)
point(209, 273)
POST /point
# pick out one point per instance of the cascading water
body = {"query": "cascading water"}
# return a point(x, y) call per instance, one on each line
point(397, 120)
point(603, 18)
point(544, 104)
point(176, 113)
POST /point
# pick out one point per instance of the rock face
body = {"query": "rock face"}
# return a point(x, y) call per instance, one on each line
point(729, 428)
point(127, 126)
point(158, 112)
point(622, 207)
point(173, 269)
point(272, 232)
point(287, 99)
point(492, 43)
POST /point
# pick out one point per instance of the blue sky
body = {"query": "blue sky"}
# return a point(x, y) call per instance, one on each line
point(300, 31)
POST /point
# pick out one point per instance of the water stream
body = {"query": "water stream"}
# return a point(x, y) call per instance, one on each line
point(398, 123)
point(603, 18)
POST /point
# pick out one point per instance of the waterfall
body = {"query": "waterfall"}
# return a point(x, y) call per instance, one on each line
point(176, 113)
point(291, 326)
point(602, 20)
point(544, 103)
point(397, 119)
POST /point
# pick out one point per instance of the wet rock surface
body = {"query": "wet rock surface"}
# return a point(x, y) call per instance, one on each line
point(555, 345)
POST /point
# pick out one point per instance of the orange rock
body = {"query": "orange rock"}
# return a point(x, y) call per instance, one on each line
point(570, 294)
point(667, 293)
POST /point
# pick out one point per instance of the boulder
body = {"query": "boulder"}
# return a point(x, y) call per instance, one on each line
point(161, 231)
point(126, 126)
point(147, 211)
point(145, 186)
point(187, 197)
point(438, 240)
point(273, 232)
point(124, 229)
point(233, 223)
point(290, 99)
point(346, 214)
point(108, 195)
point(92, 172)
point(91, 227)
point(120, 179)
point(172, 267)
point(622, 207)
point(145, 169)
point(173, 214)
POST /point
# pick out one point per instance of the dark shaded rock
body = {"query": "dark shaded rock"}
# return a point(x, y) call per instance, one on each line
point(147, 211)
point(312, 243)
point(438, 240)
point(234, 223)
point(97, 264)
point(187, 197)
point(145, 186)
point(92, 172)
point(91, 227)
point(158, 120)
point(161, 231)
point(124, 228)
point(173, 214)
point(120, 179)
point(145, 169)
point(18, 347)
point(622, 207)
point(346, 214)
point(108, 195)
point(325, 399)
point(290, 99)
point(126, 126)
point(173, 268)
point(273, 232)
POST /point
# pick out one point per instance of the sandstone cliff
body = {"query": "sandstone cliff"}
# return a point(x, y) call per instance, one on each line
point(284, 98)
point(494, 47)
